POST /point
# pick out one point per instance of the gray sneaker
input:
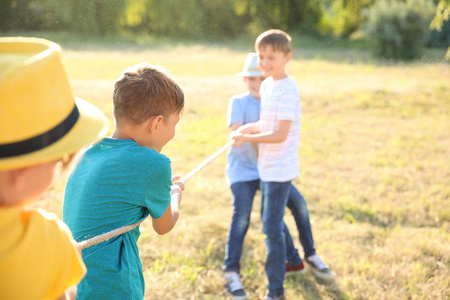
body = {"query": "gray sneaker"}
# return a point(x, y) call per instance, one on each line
point(319, 268)
point(234, 286)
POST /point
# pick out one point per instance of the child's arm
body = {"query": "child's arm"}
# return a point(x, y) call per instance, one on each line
point(168, 220)
point(250, 128)
point(252, 134)
point(235, 126)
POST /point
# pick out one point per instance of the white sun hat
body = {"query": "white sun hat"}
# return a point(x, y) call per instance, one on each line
point(251, 68)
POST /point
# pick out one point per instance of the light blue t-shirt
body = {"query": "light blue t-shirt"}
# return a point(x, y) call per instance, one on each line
point(242, 161)
point(115, 183)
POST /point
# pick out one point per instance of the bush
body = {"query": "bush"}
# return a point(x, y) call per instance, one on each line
point(399, 29)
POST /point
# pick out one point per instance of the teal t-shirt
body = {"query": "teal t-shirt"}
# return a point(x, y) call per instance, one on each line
point(115, 183)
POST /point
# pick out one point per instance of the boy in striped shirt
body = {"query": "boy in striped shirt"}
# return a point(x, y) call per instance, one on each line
point(278, 135)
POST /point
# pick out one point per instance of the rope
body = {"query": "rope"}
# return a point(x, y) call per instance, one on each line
point(108, 235)
point(206, 162)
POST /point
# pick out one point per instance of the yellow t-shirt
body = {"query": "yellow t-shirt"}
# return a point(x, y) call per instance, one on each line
point(38, 259)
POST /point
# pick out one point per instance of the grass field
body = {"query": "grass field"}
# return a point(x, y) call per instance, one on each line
point(375, 169)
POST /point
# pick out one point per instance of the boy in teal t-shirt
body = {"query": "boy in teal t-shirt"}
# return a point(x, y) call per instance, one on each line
point(123, 179)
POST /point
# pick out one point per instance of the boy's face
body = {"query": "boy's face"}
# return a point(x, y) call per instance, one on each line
point(273, 62)
point(253, 85)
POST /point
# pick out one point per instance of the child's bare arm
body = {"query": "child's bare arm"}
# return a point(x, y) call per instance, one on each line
point(235, 126)
point(276, 136)
point(249, 128)
point(168, 220)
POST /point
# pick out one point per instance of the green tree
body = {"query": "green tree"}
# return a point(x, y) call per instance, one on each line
point(6, 15)
point(219, 18)
point(442, 14)
point(21, 14)
point(344, 17)
point(98, 17)
point(189, 18)
point(288, 15)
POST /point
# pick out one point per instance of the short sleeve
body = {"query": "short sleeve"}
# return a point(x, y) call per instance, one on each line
point(158, 196)
point(235, 112)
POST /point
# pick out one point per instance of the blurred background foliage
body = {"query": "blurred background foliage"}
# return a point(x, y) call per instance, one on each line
point(408, 20)
point(399, 29)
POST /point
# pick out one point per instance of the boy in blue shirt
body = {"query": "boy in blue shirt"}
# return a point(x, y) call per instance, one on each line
point(278, 136)
point(123, 179)
point(243, 178)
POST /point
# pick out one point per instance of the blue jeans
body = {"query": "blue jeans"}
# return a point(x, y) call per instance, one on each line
point(297, 205)
point(274, 198)
point(243, 194)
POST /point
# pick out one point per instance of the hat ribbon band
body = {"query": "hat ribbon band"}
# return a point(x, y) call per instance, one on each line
point(43, 140)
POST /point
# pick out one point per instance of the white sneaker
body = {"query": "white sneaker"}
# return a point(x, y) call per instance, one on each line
point(234, 286)
point(319, 268)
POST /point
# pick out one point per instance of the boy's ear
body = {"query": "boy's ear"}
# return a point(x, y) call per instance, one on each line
point(153, 123)
point(289, 56)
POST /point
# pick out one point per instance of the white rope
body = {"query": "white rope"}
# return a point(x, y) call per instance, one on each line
point(108, 235)
point(206, 162)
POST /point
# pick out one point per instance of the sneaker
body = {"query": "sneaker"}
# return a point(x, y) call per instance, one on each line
point(299, 269)
point(319, 268)
point(234, 286)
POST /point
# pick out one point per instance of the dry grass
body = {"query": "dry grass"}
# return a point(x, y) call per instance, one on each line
point(375, 157)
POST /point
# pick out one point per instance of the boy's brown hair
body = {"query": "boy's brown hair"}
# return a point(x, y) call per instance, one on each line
point(278, 39)
point(144, 91)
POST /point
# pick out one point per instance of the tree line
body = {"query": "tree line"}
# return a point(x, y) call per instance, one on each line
point(218, 19)
point(187, 18)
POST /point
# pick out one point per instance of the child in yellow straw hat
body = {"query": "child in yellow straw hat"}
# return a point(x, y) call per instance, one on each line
point(41, 126)
point(123, 179)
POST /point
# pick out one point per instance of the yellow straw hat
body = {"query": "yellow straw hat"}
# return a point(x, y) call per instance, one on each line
point(40, 120)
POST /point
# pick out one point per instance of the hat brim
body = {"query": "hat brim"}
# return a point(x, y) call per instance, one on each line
point(90, 126)
point(250, 74)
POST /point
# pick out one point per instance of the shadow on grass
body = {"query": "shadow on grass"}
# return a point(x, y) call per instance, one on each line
point(309, 287)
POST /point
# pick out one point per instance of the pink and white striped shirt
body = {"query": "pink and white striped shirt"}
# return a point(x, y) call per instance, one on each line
point(280, 100)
